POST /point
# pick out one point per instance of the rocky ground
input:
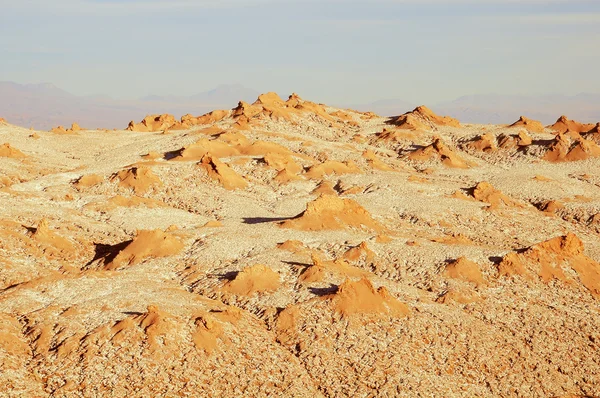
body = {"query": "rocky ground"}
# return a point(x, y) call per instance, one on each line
point(286, 248)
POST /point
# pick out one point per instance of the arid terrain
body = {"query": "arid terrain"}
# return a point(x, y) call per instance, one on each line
point(288, 248)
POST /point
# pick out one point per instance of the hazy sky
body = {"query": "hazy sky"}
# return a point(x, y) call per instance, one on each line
point(333, 51)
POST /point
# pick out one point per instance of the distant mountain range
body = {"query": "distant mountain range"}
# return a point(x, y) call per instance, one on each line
point(502, 109)
point(43, 106)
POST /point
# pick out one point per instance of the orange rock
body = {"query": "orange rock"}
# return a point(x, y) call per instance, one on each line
point(484, 143)
point(360, 252)
point(568, 149)
point(324, 188)
point(550, 206)
point(531, 125)
point(199, 149)
point(375, 162)
point(89, 180)
point(282, 162)
point(563, 125)
point(8, 151)
point(255, 279)
point(47, 237)
point(422, 118)
point(439, 150)
point(548, 260)
point(284, 176)
point(362, 298)
point(294, 246)
point(329, 212)
point(272, 106)
point(465, 270)
point(207, 118)
point(221, 172)
point(152, 123)
point(485, 192)
point(332, 167)
point(140, 179)
point(147, 243)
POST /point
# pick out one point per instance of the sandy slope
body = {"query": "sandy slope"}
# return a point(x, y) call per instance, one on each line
point(212, 267)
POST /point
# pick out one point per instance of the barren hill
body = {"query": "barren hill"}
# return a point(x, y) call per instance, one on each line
point(288, 248)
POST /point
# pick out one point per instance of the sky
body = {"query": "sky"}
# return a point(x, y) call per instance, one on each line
point(334, 51)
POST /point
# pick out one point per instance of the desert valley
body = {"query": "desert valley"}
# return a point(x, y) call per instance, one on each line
point(288, 248)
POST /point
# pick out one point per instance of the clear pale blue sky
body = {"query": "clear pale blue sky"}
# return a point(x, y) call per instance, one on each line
point(329, 50)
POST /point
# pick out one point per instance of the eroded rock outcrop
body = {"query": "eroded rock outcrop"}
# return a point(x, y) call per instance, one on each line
point(551, 260)
point(329, 212)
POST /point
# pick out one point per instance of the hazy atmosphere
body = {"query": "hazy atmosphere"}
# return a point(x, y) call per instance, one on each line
point(341, 52)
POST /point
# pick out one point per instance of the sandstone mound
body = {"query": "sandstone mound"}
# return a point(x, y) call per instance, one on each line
point(255, 279)
point(153, 123)
point(484, 143)
point(530, 125)
point(50, 241)
point(360, 253)
point(485, 192)
point(593, 134)
point(563, 125)
point(324, 188)
point(282, 162)
point(520, 140)
point(140, 179)
point(199, 149)
point(392, 136)
point(361, 297)
point(147, 243)
point(88, 181)
point(465, 270)
point(332, 167)
point(329, 212)
point(270, 105)
point(374, 161)
point(422, 118)
point(7, 151)
point(549, 260)
point(490, 143)
point(207, 118)
point(75, 128)
point(569, 148)
point(438, 150)
point(320, 270)
point(222, 173)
